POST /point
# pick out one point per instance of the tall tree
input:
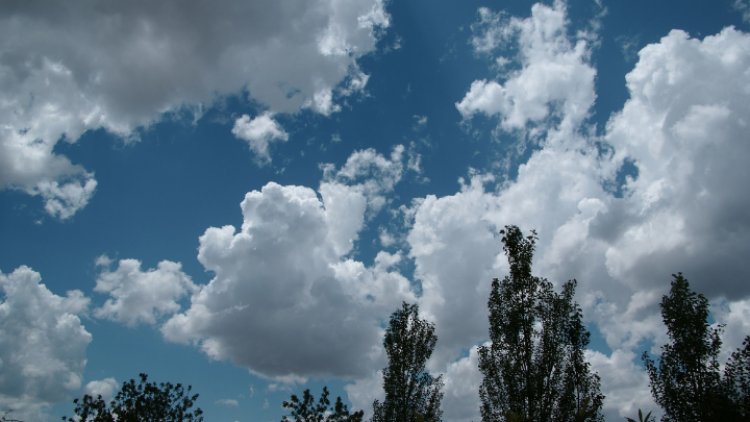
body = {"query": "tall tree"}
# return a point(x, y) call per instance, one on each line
point(306, 410)
point(534, 368)
point(411, 393)
point(686, 382)
point(145, 401)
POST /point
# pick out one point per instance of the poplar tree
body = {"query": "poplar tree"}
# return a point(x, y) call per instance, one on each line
point(686, 382)
point(534, 368)
point(411, 393)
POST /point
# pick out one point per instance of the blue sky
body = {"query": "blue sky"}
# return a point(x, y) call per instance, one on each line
point(236, 196)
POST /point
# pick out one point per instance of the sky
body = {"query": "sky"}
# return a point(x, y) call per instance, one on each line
point(236, 195)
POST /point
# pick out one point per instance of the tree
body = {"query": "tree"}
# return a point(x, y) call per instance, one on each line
point(306, 410)
point(145, 401)
point(534, 369)
point(686, 382)
point(737, 380)
point(411, 393)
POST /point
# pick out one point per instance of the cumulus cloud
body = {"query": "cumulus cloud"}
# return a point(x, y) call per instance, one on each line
point(42, 344)
point(625, 383)
point(286, 301)
point(554, 78)
point(104, 387)
point(71, 67)
point(461, 389)
point(138, 296)
point(685, 127)
point(259, 133)
point(683, 130)
point(370, 173)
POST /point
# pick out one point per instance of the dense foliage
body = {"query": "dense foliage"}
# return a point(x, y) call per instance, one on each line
point(687, 382)
point(411, 393)
point(534, 368)
point(306, 410)
point(144, 401)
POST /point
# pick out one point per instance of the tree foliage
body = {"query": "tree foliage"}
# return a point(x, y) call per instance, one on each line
point(686, 382)
point(144, 401)
point(737, 380)
point(641, 418)
point(306, 410)
point(534, 369)
point(411, 393)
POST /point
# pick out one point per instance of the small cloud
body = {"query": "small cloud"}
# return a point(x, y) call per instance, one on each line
point(227, 402)
point(322, 102)
point(259, 133)
point(103, 261)
point(105, 387)
point(420, 121)
point(743, 7)
point(386, 238)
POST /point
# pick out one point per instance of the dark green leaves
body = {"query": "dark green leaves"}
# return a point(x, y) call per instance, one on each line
point(686, 382)
point(306, 410)
point(534, 369)
point(411, 393)
point(144, 401)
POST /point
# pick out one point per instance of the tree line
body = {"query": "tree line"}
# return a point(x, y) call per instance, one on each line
point(533, 368)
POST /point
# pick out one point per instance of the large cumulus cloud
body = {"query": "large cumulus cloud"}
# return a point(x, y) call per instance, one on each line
point(42, 344)
point(683, 131)
point(286, 300)
point(73, 66)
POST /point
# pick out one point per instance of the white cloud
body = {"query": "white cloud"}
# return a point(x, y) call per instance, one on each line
point(364, 391)
point(104, 387)
point(369, 173)
point(461, 389)
point(735, 315)
point(42, 344)
point(743, 7)
point(683, 129)
point(70, 67)
point(625, 383)
point(228, 402)
point(138, 296)
point(454, 249)
point(285, 300)
point(554, 79)
point(259, 133)
point(63, 201)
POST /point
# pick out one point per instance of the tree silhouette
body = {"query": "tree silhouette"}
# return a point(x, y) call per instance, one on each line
point(145, 401)
point(737, 380)
point(411, 393)
point(306, 410)
point(686, 382)
point(534, 369)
